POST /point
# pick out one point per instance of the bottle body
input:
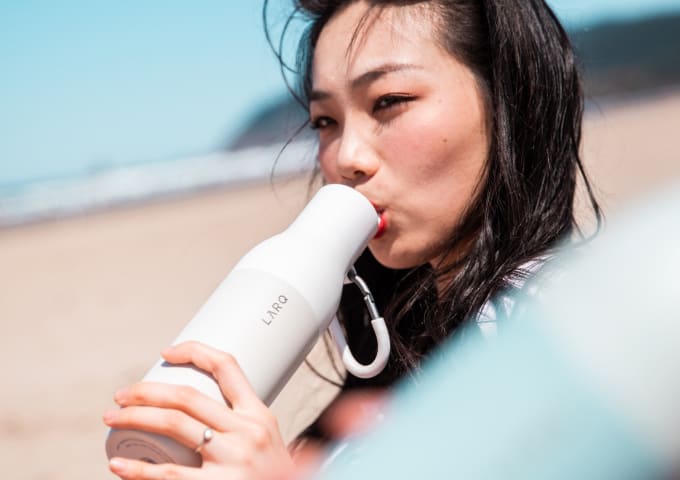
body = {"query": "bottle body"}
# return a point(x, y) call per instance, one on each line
point(268, 312)
point(270, 338)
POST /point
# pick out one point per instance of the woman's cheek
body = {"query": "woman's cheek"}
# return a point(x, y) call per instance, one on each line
point(326, 159)
point(327, 166)
point(406, 149)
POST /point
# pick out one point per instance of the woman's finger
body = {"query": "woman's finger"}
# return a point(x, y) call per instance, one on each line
point(180, 397)
point(234, 385)
point(171, 423)
point(135, 470)
point(231, 447)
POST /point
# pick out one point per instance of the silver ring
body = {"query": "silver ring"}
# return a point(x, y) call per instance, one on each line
point(208, 435)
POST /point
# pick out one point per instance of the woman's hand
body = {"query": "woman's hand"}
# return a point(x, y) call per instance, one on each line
point(246, 443)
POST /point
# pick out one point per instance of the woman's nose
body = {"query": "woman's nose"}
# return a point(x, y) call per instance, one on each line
point(356, 160)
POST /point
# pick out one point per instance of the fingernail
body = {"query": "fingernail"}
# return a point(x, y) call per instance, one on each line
point(120, 394)
point(110, 415)
point(117, 465)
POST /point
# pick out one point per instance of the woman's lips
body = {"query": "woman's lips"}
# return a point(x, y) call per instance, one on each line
point(382, 223)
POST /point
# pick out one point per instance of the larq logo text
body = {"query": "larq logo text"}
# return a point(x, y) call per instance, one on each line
point(274, 311)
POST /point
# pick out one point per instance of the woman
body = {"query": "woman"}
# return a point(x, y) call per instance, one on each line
point(460, 120)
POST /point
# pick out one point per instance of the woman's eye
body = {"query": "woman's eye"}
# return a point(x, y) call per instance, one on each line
point(388, 101)
point(320, 122)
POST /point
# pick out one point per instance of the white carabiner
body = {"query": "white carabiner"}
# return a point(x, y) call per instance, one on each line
point(379, 328)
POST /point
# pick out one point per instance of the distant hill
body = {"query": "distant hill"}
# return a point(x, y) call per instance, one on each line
point(275, 122)
point(616, 58)
point(630, 56)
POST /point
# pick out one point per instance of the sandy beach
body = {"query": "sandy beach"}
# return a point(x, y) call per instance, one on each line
point(86, 303)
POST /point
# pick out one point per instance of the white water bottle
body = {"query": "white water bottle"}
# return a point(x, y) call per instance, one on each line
point(270, 310)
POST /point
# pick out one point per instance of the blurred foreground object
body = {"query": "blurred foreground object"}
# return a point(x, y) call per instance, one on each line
point(583, 382)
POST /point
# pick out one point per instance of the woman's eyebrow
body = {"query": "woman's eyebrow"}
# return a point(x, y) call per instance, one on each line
point(367, 77)
point(380, 71)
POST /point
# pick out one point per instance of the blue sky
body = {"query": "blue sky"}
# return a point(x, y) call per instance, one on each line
point(89, 85)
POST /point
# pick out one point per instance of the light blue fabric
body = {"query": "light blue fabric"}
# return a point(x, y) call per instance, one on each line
point(505, 408)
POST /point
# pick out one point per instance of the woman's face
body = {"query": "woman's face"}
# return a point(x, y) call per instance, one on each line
point(403, 122)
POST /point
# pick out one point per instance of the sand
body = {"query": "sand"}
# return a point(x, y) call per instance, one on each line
point(86, 303)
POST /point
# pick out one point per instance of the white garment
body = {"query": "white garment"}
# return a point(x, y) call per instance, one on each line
point(487, 318)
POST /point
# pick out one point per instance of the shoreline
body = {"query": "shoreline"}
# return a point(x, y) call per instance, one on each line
point(157, 199)
point(53, 199)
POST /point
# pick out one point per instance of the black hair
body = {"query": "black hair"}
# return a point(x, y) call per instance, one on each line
point(525, 67)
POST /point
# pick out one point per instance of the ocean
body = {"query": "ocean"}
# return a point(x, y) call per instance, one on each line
point(54, 198)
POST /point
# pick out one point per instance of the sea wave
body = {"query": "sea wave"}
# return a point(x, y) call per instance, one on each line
point(57, 198)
